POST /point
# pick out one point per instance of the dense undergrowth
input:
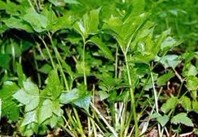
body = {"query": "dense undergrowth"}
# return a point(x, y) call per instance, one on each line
point(98, 68)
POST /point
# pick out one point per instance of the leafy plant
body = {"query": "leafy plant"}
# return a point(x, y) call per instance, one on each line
point(97, 68)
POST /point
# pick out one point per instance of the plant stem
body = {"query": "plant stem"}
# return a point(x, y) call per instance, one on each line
point(133, 105)
point(59, 60)
point(83, 59)
point(104, 120)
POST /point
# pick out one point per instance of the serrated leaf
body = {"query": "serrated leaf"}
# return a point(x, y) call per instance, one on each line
point(182, 118)
point(29, 95)
point(162, 80)
point(83, 102)
point(168, 43)
point(77, 97)
point(170, 61)
point(29, 117)
point(9, 108)
point(37, 21)
point(186, 103)
point(18, 24)
point(163, 120)
point(102, 46)
point(103, 95)
point(88, 24)
point(169, 104)
point(54, 87)
point(56, 107)
point(70, 96)
point(195, 106)
point(191, 70)
point(46, 68)
point(191, 83)
point(45, 111)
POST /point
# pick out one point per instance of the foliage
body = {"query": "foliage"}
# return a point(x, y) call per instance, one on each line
point(91, 68)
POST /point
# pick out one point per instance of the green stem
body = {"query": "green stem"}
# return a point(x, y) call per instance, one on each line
point(133, 105)
point(48, 52)
point(83, 58)
point(59, 60)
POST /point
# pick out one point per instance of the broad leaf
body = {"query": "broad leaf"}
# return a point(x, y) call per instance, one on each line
point(54, 87)
point(163, 120)
point(83, 102)
point(182, 118)
point(9, 108)
point(102, 46)
point(4, 61)
point(68, 97)
point(29, 95)
point(88, 24)
point(170, 104)
point(186, 103)
point(162, 80)
point(77, 97)
point(37, 21)
point(45, 111)
point(169, 61)
point(29, 117)
point(192, 83)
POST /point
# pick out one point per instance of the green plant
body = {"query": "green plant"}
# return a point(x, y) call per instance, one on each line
point(94, 68)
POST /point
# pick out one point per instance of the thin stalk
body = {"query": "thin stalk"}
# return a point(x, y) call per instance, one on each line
point(36, 66)
point(31, 5)
point(156, 101)
point(104, 120)
point(59, 59)
point(83, 58)
point(48, 52)
point(79, 123)
point(132, 97)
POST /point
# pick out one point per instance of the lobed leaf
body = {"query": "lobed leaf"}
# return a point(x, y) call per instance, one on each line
point(182, 118)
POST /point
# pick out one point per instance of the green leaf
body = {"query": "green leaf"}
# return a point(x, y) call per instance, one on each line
point(71, 1)
point(45, 111)
point(162, 80)
point(57, 2)
point(195, 106)
point(191, 70)
point(4, 61)
point(77, 97)
point(54, 87)
point(102, 46)
point(138, 7)
point(20, 74)
point(163, 120)
point(191, 83)
point(37, 21)
point(186, 103)
point(182, 118)
point(70, 96)
point(18, 24)
point(46, 68)
point(29, 117)
point(88, 24)
point(56, 108)
point(9, 108)
point(168, 43)
point(29, 95)
point(83, 102)
point(170, 104)
point(169, 61)
point(103, 95)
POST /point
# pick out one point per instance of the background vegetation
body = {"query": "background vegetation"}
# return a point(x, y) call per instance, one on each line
point(98, 68)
